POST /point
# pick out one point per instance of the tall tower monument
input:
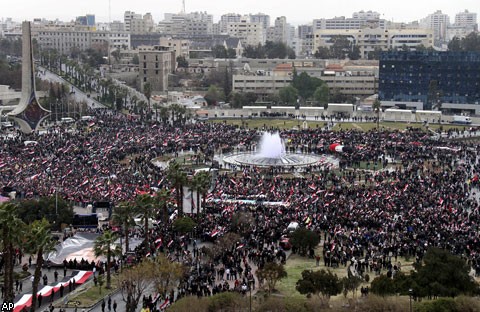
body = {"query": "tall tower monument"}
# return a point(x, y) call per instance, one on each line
point(28, 113)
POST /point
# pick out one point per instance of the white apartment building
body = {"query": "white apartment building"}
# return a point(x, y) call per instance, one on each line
point(260, 18)
point(369, 39)
point(281, 30)
point(65, 39)
point(226, 19)
point(262, 85)
point(128, 16)
point(466, 18)
point(439, 23)
point(181, 47)
point(359, 20)
point(249, 33)
point(368, 15)
point(465, 23)
point(142, 25)
point(191, 24)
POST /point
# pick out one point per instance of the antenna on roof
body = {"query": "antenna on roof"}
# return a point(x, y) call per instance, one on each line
point(183, 7)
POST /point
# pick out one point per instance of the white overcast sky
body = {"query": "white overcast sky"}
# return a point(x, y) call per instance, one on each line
point(296, 11)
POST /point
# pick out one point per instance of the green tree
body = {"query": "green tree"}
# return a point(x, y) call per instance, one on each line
point(147, 91)
point(238, 100)
point(321, 95)
point(213, 95)
point(351, 284)
point(11, 234)
point(442, 274)
point(123, 215)
point(54, 208)
point(288, 95)
point(219, 51)
point(305, 84)
point(271, 273)
point(201, 183)
point(471, 42)
point(184, 225)
point(104, 245)
point(303, 239)
point(323, 282)
point(455, 44)
point(162, 199)
point(322, 53)
point(341, 47)
point(38, 241)
point(383, 286)
point(376, 106)
point(375, 54)
point(144, 207)
point(354, 54)
point(178, 178)
point(182, 61)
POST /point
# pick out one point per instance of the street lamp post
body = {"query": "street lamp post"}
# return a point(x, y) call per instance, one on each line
point(410, 293)
point(250, 287)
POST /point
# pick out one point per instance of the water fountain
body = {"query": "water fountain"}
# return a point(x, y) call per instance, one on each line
point(271, 153)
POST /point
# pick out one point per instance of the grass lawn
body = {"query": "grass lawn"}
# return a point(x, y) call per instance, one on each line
point(88, 296)
point(296, 265)
point(270, 123)
point(292, 123)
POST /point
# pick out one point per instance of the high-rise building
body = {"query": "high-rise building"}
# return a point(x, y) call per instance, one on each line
point(359, 20)
point(372, 39)
point(155, 64)
point(466, 18)
point(281, 30)
point(128, 16)
point(439, 23)
point(465, 23)
point(226, 19)
point(190, 25)
point(249, 33)
point(142, 25)
point(410, 77)
point(261, 18)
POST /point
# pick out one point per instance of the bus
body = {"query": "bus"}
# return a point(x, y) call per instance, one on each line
point(85, 221)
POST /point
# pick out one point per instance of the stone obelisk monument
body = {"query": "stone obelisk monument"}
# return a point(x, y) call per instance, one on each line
point(28, 113)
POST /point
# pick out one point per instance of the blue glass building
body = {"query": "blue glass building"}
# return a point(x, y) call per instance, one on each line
point(446, 77)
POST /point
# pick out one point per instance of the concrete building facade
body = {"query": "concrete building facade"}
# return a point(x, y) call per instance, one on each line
point(155, 64)
point(249, 33)
point(369, 39)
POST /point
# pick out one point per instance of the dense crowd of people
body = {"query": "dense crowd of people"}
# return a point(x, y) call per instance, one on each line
point(367, 218)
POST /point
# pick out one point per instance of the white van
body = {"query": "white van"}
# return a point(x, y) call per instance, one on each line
point(67, 120)
point(87, 118)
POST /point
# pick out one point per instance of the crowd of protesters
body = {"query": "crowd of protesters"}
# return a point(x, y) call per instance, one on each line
point(366, 218)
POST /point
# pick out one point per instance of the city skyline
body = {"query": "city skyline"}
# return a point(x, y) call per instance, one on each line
point(297, 12)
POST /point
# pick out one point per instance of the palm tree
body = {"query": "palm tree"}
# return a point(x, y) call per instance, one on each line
point(201, 183)
point(178, 178)
point(123, 215)
point(162, 198)
point(147, 91)
point(104, 245)
point(376, 107)
point(11, 230)
point(164, 114)
point(145, 208)
point(38, 241)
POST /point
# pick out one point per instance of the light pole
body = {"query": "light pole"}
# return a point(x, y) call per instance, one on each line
point(410, 293)
point(250, 287)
